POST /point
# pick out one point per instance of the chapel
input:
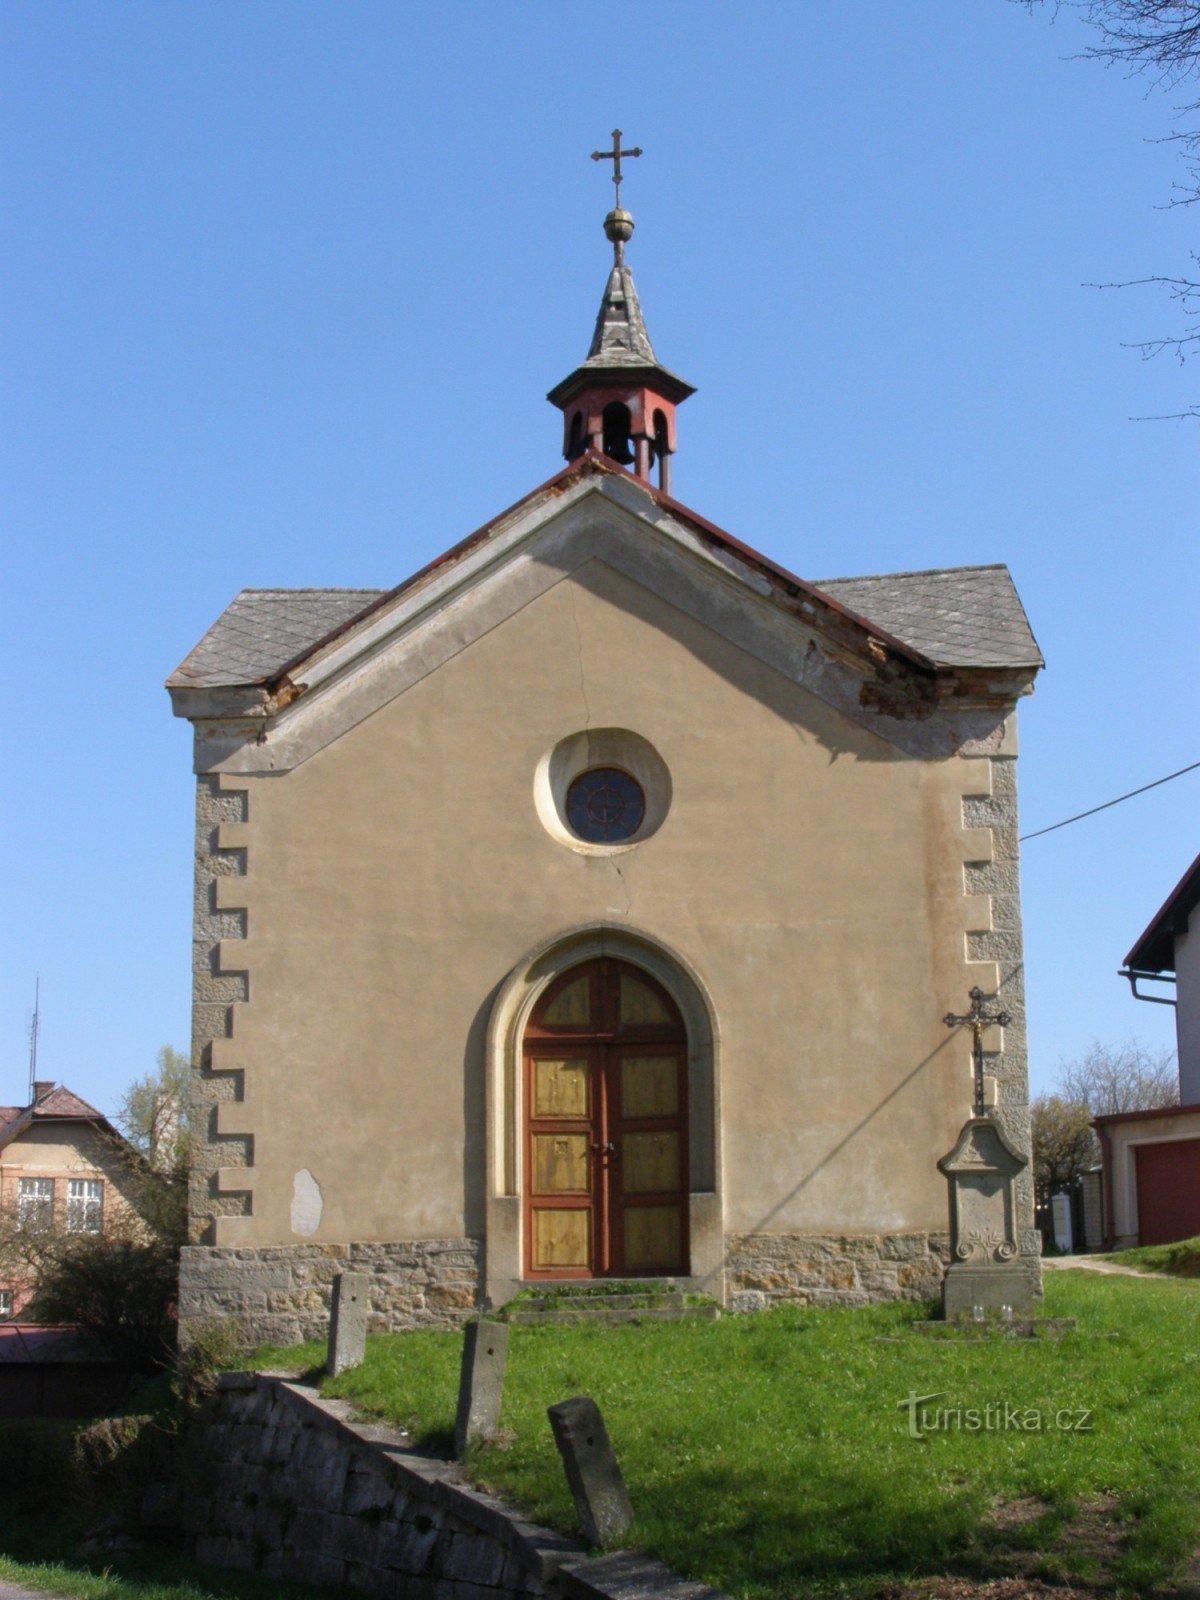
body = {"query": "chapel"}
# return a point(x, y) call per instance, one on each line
point(590, 905)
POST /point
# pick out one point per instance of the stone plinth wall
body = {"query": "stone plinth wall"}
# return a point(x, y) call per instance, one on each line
point(762, 1269)
point(277, 1480)
point(281, 1294)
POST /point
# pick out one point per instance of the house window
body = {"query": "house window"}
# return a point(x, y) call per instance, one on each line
point(6, 1304)
point(35, 1202)
point(85, 1205)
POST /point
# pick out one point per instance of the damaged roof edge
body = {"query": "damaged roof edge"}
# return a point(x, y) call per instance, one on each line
point(592, 464)
point(259, 693)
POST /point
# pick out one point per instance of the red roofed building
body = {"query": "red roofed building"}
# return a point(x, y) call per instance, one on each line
point(62, 1164)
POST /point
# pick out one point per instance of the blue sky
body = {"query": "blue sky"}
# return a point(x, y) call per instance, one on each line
point(284, 286)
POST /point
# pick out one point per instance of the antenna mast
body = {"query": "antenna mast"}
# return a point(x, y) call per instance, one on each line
point(33, 1035)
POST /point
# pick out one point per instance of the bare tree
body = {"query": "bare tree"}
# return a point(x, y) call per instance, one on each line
point(1161, 40)
point(1161, 37)
point(1125, 1077)
point(1103, 1080)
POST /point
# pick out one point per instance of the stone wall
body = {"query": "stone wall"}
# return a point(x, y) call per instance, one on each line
point(277, 1480)
point(762, 1269)
point(280, 1294)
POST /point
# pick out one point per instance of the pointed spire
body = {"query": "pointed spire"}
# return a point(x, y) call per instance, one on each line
point(621, 400)
point(620, 338)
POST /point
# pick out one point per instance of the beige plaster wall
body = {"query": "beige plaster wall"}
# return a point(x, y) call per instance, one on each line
point(808, 872)
point(63, 1151)
point(1187, 1011)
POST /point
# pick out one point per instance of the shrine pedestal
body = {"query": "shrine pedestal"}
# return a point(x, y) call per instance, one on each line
point(986, 1272)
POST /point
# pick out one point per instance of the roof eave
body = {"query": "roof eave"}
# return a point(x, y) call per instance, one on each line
point(253, 703)
point(1155, 949)
point(1151, 1114)
point(30, 1118)
point(643, 374)
point(224, 700)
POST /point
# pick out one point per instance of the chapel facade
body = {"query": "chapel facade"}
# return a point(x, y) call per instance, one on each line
point(588, 906)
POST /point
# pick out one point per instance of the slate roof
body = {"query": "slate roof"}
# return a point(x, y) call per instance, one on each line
point(950, 616)
point(261, 630)
point(957, 616)
point(620, 339)
point(620, 345)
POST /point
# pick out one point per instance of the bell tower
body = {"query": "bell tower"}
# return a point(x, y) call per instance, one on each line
point(621, 402)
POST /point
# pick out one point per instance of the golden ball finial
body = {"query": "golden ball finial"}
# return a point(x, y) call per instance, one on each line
point(618, 226)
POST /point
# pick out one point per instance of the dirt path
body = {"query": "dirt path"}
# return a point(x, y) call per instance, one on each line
point(14, 1591)
point(1085, 1264)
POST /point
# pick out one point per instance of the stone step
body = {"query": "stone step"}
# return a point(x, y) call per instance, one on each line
point(615, 1302)
point(592, 1308)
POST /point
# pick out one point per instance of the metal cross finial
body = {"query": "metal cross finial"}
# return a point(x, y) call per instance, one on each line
point(977, 1019)
point(614, 155)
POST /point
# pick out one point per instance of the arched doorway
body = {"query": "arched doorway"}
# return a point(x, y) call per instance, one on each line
point(605, 1127)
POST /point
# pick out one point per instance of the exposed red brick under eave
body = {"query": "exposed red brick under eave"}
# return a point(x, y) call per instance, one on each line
point(594, 464)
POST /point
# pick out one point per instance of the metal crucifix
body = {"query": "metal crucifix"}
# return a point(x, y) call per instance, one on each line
point(977, 1019)
point(614, 155)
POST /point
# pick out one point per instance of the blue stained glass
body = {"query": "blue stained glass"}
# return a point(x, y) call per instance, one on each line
point(605, 806)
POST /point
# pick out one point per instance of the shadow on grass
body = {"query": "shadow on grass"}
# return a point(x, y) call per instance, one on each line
point(839, 1535)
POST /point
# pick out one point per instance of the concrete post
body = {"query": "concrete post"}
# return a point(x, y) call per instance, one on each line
point(601, 1501)
point(348, 1322)
point(480, 1383)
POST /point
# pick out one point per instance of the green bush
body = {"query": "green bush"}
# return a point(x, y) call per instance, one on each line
point(120, 1291)
point(213, 1346)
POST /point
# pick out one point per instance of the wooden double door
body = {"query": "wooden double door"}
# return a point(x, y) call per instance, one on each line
point(605, 1128)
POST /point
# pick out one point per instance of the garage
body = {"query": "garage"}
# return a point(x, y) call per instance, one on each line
point(1168, 1190)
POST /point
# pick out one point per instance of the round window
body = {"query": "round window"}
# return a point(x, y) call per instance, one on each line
point(605, 805)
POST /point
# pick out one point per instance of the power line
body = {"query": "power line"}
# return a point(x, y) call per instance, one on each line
point(1080, 816)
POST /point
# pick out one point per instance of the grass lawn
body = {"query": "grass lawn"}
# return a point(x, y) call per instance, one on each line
point(160, 1577)
point(1182, 1259)
point(771, 1455)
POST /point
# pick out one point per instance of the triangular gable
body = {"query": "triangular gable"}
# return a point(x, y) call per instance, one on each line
point(591, 510)
point(58, 1104)
point(61, 1102)
point(345, 609)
